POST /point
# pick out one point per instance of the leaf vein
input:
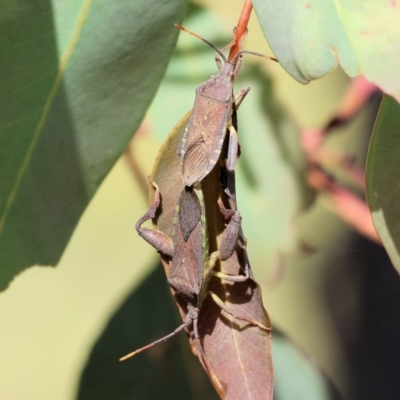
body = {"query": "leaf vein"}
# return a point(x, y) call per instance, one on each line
point(61, 70)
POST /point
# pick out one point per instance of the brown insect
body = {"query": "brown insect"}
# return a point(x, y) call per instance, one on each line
point(211, 118)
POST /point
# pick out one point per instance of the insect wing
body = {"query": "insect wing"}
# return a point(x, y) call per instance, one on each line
point(187, 263)
point(205, 133)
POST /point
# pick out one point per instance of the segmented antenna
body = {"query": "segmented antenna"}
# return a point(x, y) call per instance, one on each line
point(260, 55)
point(182, 28)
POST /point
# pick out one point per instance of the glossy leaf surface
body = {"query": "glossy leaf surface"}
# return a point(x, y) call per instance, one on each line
point(76, 78)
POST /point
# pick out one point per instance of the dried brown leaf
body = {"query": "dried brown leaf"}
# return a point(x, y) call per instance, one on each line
point(238, 356)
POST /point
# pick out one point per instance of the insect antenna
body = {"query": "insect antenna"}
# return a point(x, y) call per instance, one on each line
point(219, 51)
point(182, 28)
point(177, 330)
point(260, 55)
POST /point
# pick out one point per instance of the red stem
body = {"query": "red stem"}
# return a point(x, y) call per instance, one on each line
point(241, 28)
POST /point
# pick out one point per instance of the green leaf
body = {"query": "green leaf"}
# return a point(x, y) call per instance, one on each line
point(311, 37)
point(296, 376)
point(383, 169)
point(76, 78)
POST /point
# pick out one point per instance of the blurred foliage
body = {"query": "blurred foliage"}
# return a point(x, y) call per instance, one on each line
point(338, 302)
point(296, 375)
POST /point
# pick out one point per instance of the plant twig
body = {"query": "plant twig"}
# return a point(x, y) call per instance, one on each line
point(344, 161)
point(357, 94)
point(241, 28)
point(343, 202)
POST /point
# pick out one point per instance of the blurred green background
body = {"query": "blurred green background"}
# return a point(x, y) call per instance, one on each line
point(51, 318)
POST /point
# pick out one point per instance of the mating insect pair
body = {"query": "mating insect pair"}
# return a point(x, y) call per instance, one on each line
point(192, 266)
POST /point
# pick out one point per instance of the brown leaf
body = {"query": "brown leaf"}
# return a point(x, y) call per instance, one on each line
point(238, 355)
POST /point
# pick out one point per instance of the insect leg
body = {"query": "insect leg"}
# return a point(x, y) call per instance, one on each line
point(159, 240)
point(238, 64)
point(186, 323)
point(236, 278)
point(229, 242)
point(219, 63)
point(239, 97)
point(228, 46)
point(232, 148)
point(225, 308)
point(230, 236)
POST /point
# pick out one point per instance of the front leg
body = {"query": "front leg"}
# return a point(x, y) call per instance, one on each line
point(159, 240)
point(239, 97)
point(233, 147)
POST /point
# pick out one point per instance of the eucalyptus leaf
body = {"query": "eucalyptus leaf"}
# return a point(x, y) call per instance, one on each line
point(77, 78)
point(383, 168)
point(311, 37)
